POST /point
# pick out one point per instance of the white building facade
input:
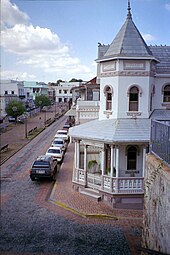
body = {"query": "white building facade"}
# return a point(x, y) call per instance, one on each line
point(10, 90)
point(63, 91)
point(134, 85)
point(33, 89)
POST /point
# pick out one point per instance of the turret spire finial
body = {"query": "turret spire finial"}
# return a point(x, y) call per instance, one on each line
point(129, 13)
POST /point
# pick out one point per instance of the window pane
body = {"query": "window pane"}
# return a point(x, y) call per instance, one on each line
point(131, 158)
point(166, 94)
point(108, 105)
point(133, 97)
point(133, 106)
point(109, 96)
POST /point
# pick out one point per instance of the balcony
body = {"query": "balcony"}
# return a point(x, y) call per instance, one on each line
point(108, 184)
point(87, 110)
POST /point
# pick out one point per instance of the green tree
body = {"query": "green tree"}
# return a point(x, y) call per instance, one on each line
point(15, 108)
point(42, 100)
point(75, 80)
point(58, 81)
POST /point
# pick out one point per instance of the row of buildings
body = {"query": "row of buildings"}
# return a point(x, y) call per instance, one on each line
point(26, 91)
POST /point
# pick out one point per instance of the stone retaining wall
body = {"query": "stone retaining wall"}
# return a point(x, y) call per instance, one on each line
point(156, 233)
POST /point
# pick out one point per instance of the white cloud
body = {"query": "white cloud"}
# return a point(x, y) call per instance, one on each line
point(15, 75)
point(167, 6)
point(22, 39)
point(148, 37)
point(11, 15)
point(38, 47)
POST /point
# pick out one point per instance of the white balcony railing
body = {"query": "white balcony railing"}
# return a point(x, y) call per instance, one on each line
point(123, 185)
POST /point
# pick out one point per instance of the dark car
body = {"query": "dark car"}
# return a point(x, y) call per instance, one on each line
point(43, 167)
point(66, 126)
point(11, 119)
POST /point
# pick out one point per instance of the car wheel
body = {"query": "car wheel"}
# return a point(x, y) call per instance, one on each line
point(53, 177)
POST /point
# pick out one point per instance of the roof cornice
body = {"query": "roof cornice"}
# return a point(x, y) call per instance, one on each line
point(122, 58)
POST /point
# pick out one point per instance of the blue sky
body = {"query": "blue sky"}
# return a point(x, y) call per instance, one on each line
point(50, 40)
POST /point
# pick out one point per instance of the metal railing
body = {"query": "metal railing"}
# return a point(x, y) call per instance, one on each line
point(160, 139)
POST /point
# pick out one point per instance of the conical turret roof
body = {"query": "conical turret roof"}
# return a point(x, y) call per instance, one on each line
point(128, 42)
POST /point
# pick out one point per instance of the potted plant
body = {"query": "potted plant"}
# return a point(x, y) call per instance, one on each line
point(92, 165)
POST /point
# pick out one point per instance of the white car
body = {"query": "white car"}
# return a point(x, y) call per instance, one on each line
point(62, 134)
point(56, 153)
point(59, 142)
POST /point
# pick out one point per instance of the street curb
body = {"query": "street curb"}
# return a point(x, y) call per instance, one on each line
point(83, 215)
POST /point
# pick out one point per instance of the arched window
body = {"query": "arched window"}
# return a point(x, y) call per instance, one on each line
point(166, 94)
point(133, 99)
point(108, 93)
point(132, 157)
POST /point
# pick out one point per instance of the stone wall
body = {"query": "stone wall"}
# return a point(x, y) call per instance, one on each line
point(156, 232)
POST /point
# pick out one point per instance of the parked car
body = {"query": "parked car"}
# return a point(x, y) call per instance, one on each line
point(66, 126)
point(43, 167)
point(21, 119)
point(56, 153)
point(62, 134)
point(11, 119)
point(59, 142)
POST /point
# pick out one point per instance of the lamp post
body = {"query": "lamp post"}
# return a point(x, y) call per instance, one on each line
point(55, 107)
point(14, 108)
point(25, 125)
point(40, 102)
point(45, 109)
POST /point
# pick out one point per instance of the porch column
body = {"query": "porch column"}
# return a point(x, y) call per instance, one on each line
point(103, 168)
point(75, 161)
point(144, 160)
point(111, 166)
point(112, 160)
point(117, 162)
point(85, 165)
point(78, 154)
point(114, 157)
point(117, 170)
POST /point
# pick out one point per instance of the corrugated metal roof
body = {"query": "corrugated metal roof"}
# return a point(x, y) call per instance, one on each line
point(114, 130)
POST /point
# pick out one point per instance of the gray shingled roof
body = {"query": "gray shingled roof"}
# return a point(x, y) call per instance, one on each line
point(128, 42)
point(113, 130)
point(162, 53)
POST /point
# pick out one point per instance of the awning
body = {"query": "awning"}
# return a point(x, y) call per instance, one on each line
point(71, 112)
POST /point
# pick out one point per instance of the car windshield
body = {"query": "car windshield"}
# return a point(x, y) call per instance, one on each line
point(58, 142)
point(40, 163)
point(53, 151)
point(61, 133)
